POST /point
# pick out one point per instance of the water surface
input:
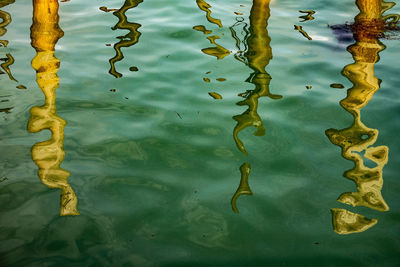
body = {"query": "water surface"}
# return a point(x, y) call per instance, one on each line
point(192, 133)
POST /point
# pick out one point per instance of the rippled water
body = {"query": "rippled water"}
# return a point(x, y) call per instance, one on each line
point(191, 140)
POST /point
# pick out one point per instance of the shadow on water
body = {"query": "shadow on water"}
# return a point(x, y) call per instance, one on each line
point(48, 155)
point(357, 141)
point(131, 38)
point(257, 55)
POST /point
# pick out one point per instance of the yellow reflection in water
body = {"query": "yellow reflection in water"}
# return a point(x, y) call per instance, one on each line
point(48, 155)
point(203, 5)
point(217, 51)
point(257, 57)
point(131, 38)
point(5, 21)
point(357, 141)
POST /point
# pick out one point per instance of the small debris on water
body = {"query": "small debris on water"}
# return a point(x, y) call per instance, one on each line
point(133, 68)
point(113, 90)
point(337, 85)
point(215, 95)
point(308, 87)
point(22, 87)
point(206, 80)
point(179, 115)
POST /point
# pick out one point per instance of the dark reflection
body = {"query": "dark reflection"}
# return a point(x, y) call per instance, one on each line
point(48, 155)
point(256, 53)
point(357, 141)
point(5, 21)
point(217, 51)
point(131, 38)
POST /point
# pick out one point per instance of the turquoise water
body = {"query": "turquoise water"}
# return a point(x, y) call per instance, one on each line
point(152, 156)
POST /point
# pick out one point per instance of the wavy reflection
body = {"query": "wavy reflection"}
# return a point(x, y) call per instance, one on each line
point(48, 155)
point(6, 20)
point(131, 38)
point(357, 141)
point(257, 54)
point(203, 5)
point(217, 51)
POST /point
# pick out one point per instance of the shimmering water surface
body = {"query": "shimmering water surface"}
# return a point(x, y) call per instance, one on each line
point(199, 133)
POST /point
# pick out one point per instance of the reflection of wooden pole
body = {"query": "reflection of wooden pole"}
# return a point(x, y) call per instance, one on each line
point(258, 57)
point(48, 155)
point(129, 39)
point(5, 18)
point(359, 138)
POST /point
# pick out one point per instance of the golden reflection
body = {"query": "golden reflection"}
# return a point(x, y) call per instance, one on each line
point(308, 16)
point(5, 17)
point(257, 55)
point(131, 38)
point(202, 29)
point(346, 222)
point(300, 29)
point(6, 20)
point(48, 155)
point(217, 51)
point(357, 141)
point(244, 188)
point(203, 5)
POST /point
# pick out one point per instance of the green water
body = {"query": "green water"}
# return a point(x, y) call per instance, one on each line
point(154, 163)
